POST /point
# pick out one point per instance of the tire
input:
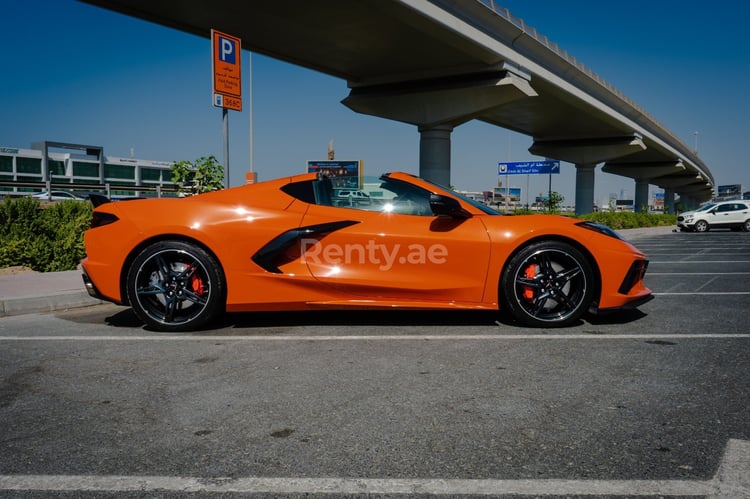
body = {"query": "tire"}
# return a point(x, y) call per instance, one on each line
point(175, 286)
point(701, 226)
point(746, 226)
point(548, 284)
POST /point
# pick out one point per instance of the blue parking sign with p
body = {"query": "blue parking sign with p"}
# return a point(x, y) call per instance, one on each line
point(227, 50)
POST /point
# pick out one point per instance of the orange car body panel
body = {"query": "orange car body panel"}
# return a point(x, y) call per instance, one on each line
point(381, 260)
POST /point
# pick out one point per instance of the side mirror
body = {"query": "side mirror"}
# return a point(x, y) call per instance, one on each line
point(447, 206)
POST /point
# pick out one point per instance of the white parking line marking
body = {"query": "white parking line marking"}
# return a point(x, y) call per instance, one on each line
point(732, 479)
point(698, 289)
point(672, 253)
point(698, 273)
point(705, 293)
point(391, 337)
point(693, 262)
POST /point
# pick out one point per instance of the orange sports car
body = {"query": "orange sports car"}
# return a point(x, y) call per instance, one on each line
point(312, 242)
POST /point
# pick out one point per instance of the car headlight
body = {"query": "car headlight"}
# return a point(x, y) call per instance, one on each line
point(600, 228)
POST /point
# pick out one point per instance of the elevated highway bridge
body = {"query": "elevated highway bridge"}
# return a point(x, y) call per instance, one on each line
point(437, 64)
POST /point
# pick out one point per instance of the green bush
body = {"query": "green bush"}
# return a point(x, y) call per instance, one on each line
point(47, 239)
point(627, 220)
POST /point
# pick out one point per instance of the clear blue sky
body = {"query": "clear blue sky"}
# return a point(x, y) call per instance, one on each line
point(77, 73)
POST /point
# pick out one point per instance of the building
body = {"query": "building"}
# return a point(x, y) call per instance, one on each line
point(76, 167)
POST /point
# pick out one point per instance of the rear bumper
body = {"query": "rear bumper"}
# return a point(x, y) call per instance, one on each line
point(93, 291)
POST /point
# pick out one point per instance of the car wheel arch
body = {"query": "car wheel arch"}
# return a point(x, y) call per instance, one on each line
point(555, 238)
point(136, 250)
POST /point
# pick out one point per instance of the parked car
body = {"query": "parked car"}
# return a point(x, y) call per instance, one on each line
point(351, 197)
point(284, 245)
point(57, 196)
point(733, 215)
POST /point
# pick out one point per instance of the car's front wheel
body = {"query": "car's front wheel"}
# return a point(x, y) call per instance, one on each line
point(746, 226)
point(548, 284)
point(701, 226)
point(175, 286)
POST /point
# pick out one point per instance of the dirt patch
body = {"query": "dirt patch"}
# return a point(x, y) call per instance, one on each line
point(19, 269)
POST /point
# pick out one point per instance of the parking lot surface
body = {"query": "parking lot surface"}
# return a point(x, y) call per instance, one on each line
point(652, 402)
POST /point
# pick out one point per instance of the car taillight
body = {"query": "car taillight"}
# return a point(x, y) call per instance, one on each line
point(99, 219)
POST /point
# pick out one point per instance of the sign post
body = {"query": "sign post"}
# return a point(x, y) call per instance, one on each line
point(527, 168)
point(226, 66)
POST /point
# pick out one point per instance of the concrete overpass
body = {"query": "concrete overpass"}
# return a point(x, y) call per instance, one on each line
point(437, 64)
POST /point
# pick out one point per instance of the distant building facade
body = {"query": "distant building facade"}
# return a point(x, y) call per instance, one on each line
point(83, 166)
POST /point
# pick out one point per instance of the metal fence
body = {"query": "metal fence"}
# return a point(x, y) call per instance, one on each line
point(84, 189)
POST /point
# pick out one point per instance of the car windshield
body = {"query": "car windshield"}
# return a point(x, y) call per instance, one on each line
point(707, 207)
point(476, 204)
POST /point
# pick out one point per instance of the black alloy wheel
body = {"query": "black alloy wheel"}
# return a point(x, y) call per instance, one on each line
point(548, 284)
point(175, 286)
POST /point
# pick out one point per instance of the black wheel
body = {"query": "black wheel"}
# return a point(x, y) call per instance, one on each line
point(701, 226)
point(175, 286)
point(548, 284)
point(746, 226)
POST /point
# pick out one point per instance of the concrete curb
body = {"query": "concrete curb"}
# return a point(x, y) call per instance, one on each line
point(50, 303)
point(629, 234)
point(41, 292)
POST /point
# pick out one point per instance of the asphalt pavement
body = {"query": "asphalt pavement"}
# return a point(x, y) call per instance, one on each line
point(38, 292)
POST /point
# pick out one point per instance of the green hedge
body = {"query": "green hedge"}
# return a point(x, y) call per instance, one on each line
point(628, 220)
point(47, 239)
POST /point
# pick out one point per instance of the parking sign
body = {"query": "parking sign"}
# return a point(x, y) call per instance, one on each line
point(226, 61)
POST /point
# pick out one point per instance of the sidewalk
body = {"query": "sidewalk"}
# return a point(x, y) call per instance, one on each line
point(36, 292)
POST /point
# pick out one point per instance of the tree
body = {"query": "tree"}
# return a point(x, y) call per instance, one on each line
point(555, 201)
point(204, 175)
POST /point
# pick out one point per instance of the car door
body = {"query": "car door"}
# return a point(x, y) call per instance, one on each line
point(729, 214)
point(389, 253)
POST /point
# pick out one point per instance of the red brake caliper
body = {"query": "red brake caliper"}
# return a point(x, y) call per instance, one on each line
point(530, 273)
point(196, 283)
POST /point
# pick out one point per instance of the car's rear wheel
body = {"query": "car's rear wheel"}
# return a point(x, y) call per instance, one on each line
point(548, 284)
point(701, 226)
point(175, 286)
point(746, 226)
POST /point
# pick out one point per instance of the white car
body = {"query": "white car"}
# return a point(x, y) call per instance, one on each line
point(733, 215)
point(352, 197)
point(56, 196)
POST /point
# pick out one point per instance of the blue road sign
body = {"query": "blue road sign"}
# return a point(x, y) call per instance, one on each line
point(528, 167)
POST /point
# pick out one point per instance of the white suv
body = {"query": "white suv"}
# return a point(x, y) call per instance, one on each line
point(351, 197)
point(733, 215)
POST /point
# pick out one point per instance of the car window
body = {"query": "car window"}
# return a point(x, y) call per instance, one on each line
point(371, 194)
point(728, 207)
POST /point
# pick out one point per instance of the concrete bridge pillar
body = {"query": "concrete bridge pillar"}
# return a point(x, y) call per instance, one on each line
point(668, 201)
point(435, 154)
point(641, 195)
point(686, 203)
point(584, 188)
